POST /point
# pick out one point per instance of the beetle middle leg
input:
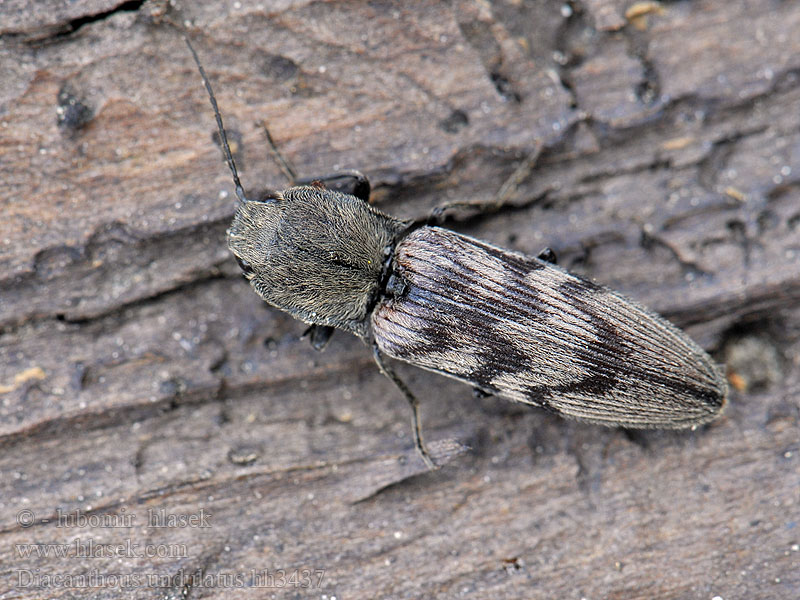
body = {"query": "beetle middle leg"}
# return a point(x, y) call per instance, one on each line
point(506, 192)
point(412, 400)
point(547, 255)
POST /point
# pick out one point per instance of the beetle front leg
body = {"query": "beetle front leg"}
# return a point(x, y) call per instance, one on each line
point(319, 336)
point(349, 181)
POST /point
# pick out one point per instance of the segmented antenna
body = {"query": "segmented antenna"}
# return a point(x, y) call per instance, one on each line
point(223, 136)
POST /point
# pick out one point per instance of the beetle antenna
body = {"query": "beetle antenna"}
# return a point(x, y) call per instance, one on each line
point(284, 165)
point(223, 136)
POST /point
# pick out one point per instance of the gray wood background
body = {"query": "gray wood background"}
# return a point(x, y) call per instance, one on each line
point(139, 373)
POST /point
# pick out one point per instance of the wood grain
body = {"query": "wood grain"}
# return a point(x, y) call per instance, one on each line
point(139, 375)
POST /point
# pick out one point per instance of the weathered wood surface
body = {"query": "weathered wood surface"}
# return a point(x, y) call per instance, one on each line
point(139, 372)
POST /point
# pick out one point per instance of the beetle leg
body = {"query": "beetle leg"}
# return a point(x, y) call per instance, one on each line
point(319, 336)
point(506, 192)
point(548, 256)
point(412, 400)
point(351, 182)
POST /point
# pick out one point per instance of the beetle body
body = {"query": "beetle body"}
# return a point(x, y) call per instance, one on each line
point(525, 329)
point(506, 323)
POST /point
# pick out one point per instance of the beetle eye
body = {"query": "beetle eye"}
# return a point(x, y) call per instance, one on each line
point(245, 266)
